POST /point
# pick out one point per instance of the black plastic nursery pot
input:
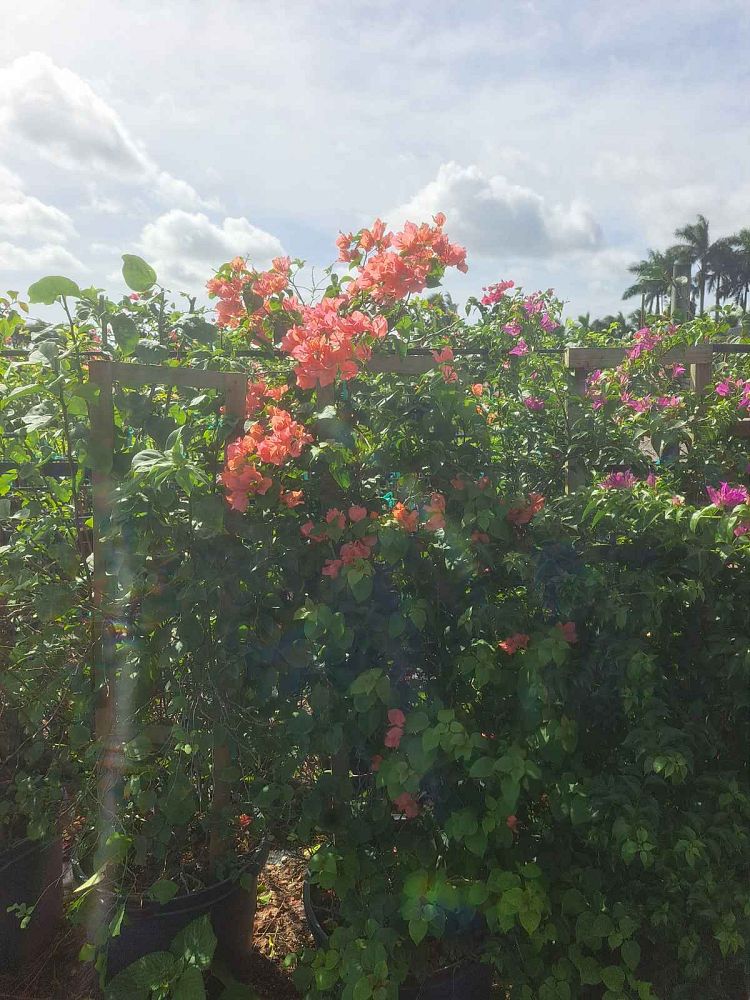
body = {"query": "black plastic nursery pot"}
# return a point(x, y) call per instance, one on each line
point(149, 926)
point(31, 873)
point(466, 981)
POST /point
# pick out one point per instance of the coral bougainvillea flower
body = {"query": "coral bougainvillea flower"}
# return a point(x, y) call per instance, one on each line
point(332, 567)
point(511, 645)
point(357, 514)
point(524, 514)
point(568, 630)
point(408, 519)
point(244, 820)
point(477, 389)
point(440, 357)
point(407, 804)
point(494, 293)
point(436, 511)
point(449, 374)
point(292, 498)
point(727, 496)
point(336, 516)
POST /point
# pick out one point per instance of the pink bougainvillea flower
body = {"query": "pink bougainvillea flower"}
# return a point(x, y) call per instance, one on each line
point(332, 567)
point(568, 630)
point(511, 645)
point(678, 370)
point(449, 374)
point(134, 297)
point(520, 349)
point(533, 403)
point(357, 514)
point(477, 389)
point(727, 496)
point(512, 822)
point(677, 501)
point(533, 304)
point(668, 402)
point(725, 388)
point(547, 323)
point(407, 804)
point(292, 498)
point(619, 481)
point(645, 340)
point(441, 357)
point(513, 328)
point(308, 531)
point(741, 529)
point(651, 479)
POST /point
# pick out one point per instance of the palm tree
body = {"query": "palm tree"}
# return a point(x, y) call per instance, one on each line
point(740, 275)
point(698, 249)
point(720, 264)
point(654, 282)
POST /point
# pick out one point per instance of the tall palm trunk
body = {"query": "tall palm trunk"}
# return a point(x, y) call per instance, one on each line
point(702, 292)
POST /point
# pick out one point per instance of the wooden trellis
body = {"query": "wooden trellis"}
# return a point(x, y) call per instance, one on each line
point(581, 361)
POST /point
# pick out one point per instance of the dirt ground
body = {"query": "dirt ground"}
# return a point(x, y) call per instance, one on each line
point(280, 928)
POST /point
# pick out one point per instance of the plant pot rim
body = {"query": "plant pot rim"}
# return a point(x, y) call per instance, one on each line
point(215, 891)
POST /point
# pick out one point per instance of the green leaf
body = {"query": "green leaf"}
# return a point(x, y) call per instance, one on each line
point(163, 890)
point(190, 985)
point(125, 333)
point(95, 879)
point(46, 290)
point(138, 275)
point(613, 978)
point(417, 930)
point(362, 990)
point(196, 943)
point(144, 975)
point(482, 768)
point(631, 953)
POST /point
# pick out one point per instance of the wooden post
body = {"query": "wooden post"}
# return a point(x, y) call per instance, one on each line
point(701, 364)
point(235, 390)
point(574, 472)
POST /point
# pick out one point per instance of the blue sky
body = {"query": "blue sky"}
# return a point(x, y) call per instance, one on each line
point(561, 139)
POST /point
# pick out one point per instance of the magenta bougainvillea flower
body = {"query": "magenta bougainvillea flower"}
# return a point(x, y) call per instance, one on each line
point(533, 403)
point(727, 496)
point(619, 481)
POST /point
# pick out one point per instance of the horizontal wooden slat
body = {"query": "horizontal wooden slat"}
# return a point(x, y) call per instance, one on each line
point(590, 358)
point(140, 375)
point(742, 429)
point(414, 364)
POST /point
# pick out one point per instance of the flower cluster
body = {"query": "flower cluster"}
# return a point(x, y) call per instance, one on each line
point(391, 266)
point(327, 343)
point(619, 481)
point(729, 386)
point(524, 514)
point(235, 284)
point(644, 340)
point(494, 293)
point(274, 445)
point(726, 496)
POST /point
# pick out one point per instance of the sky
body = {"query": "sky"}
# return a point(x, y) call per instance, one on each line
point(561, 138)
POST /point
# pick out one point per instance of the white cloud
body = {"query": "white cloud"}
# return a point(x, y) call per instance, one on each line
point(44, 259)
point(61, 118)
point(23, 216)
point(184, 247)
point(495, 218)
